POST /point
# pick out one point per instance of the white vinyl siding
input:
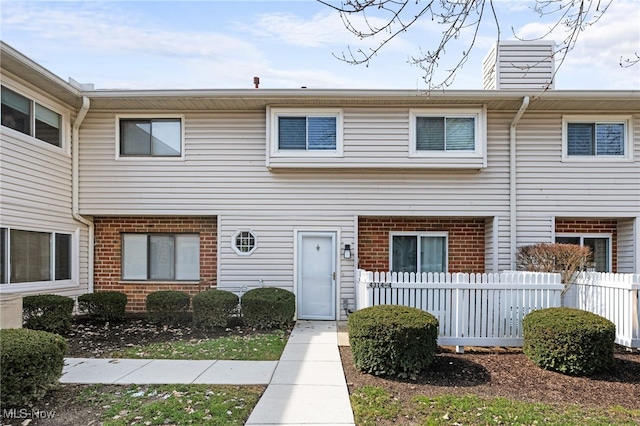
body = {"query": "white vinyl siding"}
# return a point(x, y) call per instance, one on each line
point(520, 65)
point(35, 195)
point(548, 187)
point(224, 173)
point(629, 245)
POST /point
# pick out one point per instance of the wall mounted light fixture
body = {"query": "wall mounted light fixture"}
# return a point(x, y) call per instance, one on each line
point(347, 251)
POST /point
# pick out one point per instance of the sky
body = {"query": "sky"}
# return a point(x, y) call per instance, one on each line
point(288, 44)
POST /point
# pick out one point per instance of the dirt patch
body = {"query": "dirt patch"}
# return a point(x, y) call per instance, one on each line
point(510, 374)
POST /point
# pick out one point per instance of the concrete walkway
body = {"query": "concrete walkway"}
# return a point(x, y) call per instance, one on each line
point(307, 385)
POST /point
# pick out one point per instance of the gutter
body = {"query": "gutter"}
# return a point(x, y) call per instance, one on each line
point(513, 217)
point(75, 147)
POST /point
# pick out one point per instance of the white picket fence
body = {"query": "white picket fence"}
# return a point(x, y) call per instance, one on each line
point(487, 309)
point(613, 296)
point(472, 309)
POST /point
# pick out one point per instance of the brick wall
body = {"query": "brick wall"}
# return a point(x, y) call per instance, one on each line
point(592, 226)
point(108, 272)
point(466, 240)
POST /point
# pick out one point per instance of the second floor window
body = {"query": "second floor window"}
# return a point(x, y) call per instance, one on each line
point(155, 137)
point(313, 133)
point(595, 138)
point(29, 117)
point(445, 134)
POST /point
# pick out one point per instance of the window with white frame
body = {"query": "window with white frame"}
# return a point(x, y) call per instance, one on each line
point(244, 242)
point(29, 256)
point(150, 137)
point(589, 137)
point(295, 131)
point(419, 252)
point(31, 118)
point(161, 257)
point(447, 132)
point(600, 249)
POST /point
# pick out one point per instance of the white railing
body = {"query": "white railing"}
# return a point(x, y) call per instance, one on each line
point(472, 309)
point(613, 296)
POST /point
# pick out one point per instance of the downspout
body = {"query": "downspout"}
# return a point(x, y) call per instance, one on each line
point(75, 147)
point(513, 217)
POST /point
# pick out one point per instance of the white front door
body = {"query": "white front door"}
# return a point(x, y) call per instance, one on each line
point(316, 266)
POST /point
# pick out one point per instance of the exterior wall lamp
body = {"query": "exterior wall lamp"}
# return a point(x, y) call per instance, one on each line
point(347, 251)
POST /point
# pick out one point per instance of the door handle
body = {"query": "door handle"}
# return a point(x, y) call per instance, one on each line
point(333, 275)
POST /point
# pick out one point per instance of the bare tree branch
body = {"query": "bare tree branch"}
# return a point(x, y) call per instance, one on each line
point(391, 18)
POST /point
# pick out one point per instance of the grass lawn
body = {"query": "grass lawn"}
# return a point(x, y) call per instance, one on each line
point(171, 404)
point(263, 347)
point(372, 404)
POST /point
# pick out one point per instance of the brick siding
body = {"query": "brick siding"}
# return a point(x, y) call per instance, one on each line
point(466, 249)
point(108, 271)
point(592, 226)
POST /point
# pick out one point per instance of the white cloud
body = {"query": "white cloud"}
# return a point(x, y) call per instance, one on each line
point(105, 27)
point(594, 61)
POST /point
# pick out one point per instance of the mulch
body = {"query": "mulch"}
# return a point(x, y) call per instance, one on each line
point(508, 373)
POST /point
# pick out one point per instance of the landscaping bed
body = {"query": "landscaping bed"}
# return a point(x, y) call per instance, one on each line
point(497, 372)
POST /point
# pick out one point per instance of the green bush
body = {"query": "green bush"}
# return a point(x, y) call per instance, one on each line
point(268, 308)
point(104, 306)
point(167, 306)
point(213, 308)
point(570, 341)
point(32, 363)
point(48, 312)
point(392, 340)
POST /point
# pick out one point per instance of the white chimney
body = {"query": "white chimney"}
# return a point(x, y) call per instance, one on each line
point(519, 65)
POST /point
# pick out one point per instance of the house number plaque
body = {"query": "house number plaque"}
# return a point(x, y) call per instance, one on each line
point(379, 285)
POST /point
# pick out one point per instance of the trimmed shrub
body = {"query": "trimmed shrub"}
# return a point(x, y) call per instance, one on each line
point(213, 308)
point(390, 340)
point(268, 308)
point(570, 341)
point(167, 306)
point(32, 363)
point(48, 312)
point(104, 306)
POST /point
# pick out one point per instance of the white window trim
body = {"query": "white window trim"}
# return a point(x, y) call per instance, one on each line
point(272, 131)
point(418, 235)
point(478, 113)
point(591, 119)
point(238, 251)
point(146, 158)
point(582, 236)
point(65, 121)
point(51, 285)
